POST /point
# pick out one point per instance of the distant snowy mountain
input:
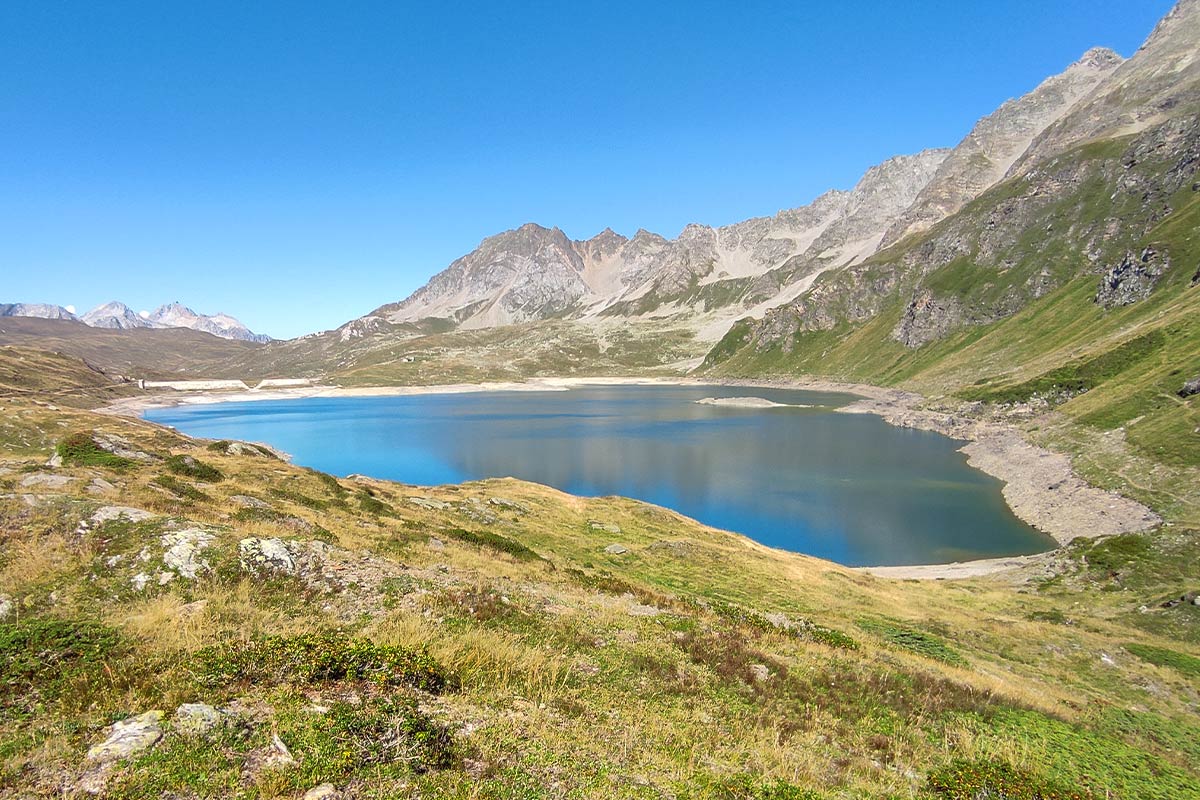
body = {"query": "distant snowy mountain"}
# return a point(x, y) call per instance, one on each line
point(117, 315)
point(39, 310)
point(177, 315)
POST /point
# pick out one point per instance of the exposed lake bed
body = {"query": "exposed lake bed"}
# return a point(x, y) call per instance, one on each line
point(794, 474)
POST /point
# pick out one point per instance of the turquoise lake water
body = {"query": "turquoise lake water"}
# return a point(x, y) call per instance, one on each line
point(847, 487)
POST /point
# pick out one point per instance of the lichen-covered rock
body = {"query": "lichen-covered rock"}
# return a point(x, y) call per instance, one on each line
point(1190, 388)
point(127, 737)
point(6, 606)
point(196, 718)
point(47, 481)
point(120, 446)
point(608, 527)
point(183, 551)
point(111, 513)
point(511, 505)
point(100, 486)
point(616, 549)
point(325, 791)
point(266, 556)
point(246, 501)
point(429, 503)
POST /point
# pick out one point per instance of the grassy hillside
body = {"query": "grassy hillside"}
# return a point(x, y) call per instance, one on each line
point(485, 640)
point(141, 353)
point(26, 373)
point(1013, 281)
point(391, 355)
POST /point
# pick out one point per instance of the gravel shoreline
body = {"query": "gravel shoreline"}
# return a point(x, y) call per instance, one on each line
point(1039, 485)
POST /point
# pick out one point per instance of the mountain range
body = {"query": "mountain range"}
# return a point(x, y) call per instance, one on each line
point(117, 315)
point(707, 277)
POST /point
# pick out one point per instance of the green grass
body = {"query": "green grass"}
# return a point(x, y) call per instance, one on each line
point(49, 656)
point(194, 468)
point(81, 450)
point(974, 780)
point(916, 641)
point(315, 658)
point(373, 505)
point(1064, 382)
point(493, 541)
point(1163, 657)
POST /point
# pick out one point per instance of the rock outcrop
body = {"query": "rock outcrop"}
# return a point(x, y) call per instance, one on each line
point(184, 551)
point(127, 737)
point(267, 556)
point(1131, 280)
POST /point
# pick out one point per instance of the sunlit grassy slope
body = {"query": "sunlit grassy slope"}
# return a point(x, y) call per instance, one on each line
point(1063, 334)
point(483, 641)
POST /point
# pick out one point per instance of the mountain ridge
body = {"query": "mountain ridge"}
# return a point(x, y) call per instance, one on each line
point(709, 276)
point(116, 315)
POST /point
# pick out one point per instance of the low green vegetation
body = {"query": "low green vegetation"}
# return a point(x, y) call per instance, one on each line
point(1163, 657)
point(46, 657)
point(493, 541)
point(82, 450)
point(909, 638)
point(180, 489)
point(971, 780)
point(1069, 380)
point(314, 658)
point(191, 467)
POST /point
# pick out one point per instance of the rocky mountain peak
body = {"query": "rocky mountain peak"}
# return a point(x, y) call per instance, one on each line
point(39, 310)
point(177, 315)
point(608, 235)
point(988, 152)
point(116, 315)
point(606, 244)
point(1101, 58)
point(1158, 82)
point(880, 196)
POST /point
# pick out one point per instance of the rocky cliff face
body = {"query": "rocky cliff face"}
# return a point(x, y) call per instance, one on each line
point(1081, 213)
point(995, 143)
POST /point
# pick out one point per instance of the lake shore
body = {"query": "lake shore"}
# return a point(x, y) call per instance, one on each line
point(1039, 485)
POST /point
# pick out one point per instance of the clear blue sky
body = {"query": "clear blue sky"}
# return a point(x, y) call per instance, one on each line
point(297, 164)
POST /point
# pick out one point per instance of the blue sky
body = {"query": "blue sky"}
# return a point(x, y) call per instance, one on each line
point(298, 164)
